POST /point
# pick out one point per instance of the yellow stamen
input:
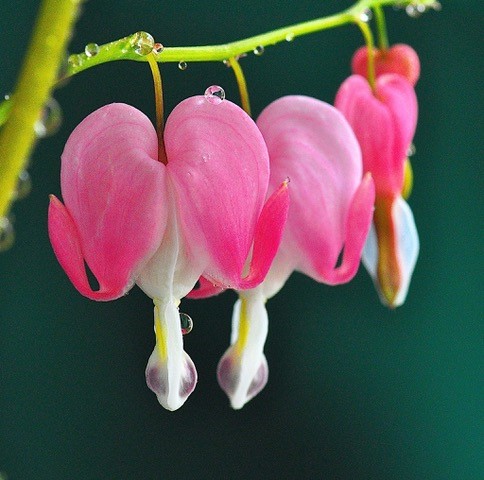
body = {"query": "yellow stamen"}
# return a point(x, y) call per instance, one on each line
point(160, 335)
point(407, 179)
point(244, 326)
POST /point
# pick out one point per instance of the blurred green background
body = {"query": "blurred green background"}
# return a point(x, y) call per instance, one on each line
point(355, 391)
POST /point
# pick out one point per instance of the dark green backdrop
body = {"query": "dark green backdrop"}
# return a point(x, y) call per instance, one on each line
point(356, 391)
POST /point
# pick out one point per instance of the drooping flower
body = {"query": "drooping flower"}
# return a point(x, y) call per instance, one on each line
point(399, 58)
point(330, 212)
point(131, 218)
point(384, 122)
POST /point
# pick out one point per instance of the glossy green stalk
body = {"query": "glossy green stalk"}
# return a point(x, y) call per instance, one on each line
point(36, 80)
point(381, 28)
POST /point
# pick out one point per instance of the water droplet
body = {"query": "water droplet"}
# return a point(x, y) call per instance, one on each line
point(91, 49)
point(415, 11)
point(227, 63)
point(411, 150)
point(290, 37)
point(182, 65)
point(7, 234)
point(215, 94)
point(436, 6)
point(50, 121)
point(186, 323)
point(158, 48)
point(75, 61)
point(24, 185)
point(6, 97)
point(259, 50)
point(143, 43)
point(366, 15)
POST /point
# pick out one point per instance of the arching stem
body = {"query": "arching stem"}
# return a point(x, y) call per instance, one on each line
point(381, 28)
point(158, 86)
point(368, 36)
point(242, 84)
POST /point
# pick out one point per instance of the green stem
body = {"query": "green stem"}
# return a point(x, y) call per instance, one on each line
point(37, 77)
point(242, 84)
point(381, 28)
point(366, 31)
point(123, 49)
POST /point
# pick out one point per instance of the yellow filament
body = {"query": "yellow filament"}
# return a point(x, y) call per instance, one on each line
point(407, 179)
point(242, 84)
point(243, 333)
point(160, 336)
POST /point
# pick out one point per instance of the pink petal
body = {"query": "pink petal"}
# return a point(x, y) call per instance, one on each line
point(205, 289)
point(358, 223)
point(268, 235)
point(399, 58)
point(384, 124)
point(311, 143)
point(114, 194)
point(219, 166)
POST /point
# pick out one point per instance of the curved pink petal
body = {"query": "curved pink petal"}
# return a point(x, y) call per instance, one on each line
point(205, 289)
point(268, 236)
point(310, 142)
point(219, 165)
point(384, 124)
point(399, 58)
point(114, 194)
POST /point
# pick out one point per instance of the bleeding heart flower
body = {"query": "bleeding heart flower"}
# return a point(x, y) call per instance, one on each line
point(131, 218)
point(384, 122)
point(399, 58)
point(330, 212)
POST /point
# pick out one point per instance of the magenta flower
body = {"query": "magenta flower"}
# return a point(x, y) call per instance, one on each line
point(384, 122)
point(131, 218)
point(331, 208)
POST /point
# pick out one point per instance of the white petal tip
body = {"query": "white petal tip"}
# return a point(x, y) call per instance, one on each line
point(172, 384)
point(241, 381)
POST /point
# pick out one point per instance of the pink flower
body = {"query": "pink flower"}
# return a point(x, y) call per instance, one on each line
point(133, 219)
point(384, 122)
point(331, 208)
point(399, 58)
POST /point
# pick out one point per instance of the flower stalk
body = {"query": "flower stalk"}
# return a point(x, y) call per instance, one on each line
point(36, 80)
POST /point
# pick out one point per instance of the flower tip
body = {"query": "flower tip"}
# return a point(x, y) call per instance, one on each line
point(171, 388)
point(239, 380)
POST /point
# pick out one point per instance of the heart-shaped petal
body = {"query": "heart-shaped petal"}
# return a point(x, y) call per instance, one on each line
point(310, 142)
point(219, 165)
point(384, 122)
point(115, 195)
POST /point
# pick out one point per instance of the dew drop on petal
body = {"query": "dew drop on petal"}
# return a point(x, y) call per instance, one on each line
point(259, 50)
point(411, 150)
point(290, 37)
point(182, 65)
point(91, 49)
point(143, 43)
point(366, 15)
point(186, 323)
point(24, 185)
point(158, 48)
point(7, 234)
point(215, 94)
